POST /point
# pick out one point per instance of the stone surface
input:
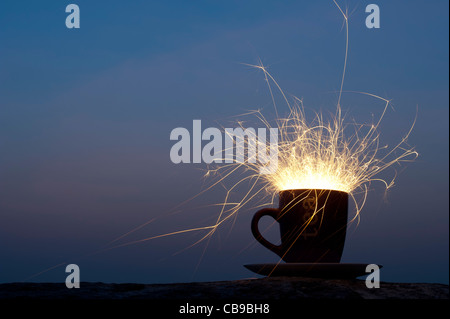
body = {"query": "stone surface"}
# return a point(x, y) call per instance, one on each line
point(276, 288)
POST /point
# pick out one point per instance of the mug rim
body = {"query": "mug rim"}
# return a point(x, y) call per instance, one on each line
point(298, 190)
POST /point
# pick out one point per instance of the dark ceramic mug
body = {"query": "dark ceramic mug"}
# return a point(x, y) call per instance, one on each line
point(313, 224)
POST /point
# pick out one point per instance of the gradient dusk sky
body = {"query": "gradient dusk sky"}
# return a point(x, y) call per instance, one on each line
point(86, 115)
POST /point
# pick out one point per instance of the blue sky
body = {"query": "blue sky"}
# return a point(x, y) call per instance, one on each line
point(86, 114)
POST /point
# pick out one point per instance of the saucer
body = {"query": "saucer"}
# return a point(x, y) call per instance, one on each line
point(315, 270)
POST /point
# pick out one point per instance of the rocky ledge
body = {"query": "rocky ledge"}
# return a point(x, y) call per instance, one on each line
point(276, 288)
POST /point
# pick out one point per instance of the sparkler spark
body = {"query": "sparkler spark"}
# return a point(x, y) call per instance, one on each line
point(319, 154)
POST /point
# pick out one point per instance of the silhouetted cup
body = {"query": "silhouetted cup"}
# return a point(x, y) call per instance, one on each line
point(313, 224)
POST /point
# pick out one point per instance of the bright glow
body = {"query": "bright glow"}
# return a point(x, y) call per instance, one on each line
point(330, 155)
point(317, 154)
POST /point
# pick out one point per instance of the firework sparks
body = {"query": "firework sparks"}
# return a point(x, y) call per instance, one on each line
point(319, 154)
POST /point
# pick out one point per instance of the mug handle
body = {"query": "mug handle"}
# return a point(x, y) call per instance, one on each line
point(272, 212)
